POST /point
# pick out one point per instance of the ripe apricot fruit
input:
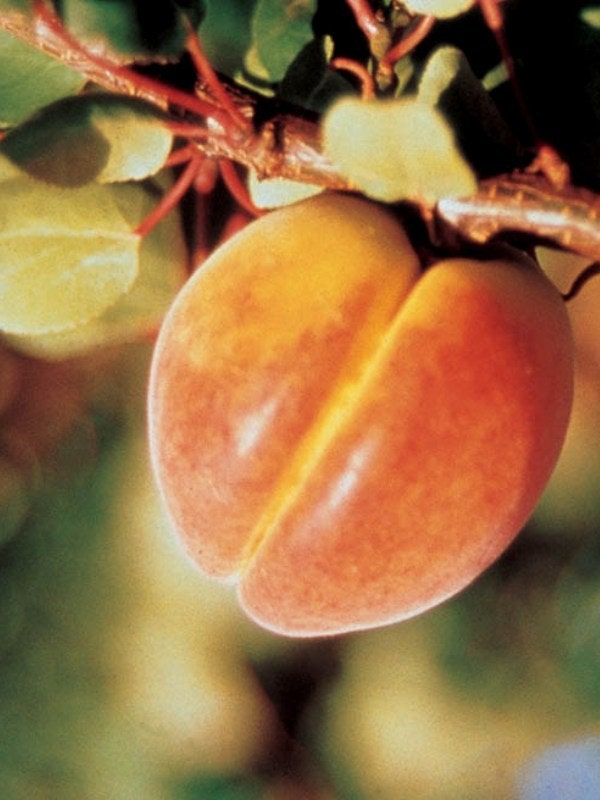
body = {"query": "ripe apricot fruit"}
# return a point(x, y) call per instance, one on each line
point(347, 437)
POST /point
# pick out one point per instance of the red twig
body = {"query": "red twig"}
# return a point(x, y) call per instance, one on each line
point(493, 17)
point(237, 188)
point(171, 197)
point(360, 71)
point(190, 131)
point(180, 156)
point(145, 85)
point(207, 73)
point(366, 19)
point(408, 43)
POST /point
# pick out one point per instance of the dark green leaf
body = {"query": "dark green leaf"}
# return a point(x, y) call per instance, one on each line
point(225, 33)
point(215, 787)
point(14, 5)
point(96, 137)
point(309, 82)
point(449, 84)
point(133, 29)
point(281, 28)
point(30, 80)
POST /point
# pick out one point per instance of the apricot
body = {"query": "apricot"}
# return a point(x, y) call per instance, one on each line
point(347, 437)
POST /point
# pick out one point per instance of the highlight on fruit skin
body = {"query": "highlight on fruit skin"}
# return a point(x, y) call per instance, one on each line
point(349, 439)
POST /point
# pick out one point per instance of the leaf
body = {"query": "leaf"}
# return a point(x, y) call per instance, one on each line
point(253, 74)
point(591, 16)
point(280, 30)
point(15, 5)
point(138, 32)
point(66, 255)
point(309, 82)
point(30, 79)
point(439, 8)
point(495, 77)
point(277, 192)
point(396, 149)
point(13, 499)
point(95, 137)
point(449, 84)
point(226, 34)
point(138, 312)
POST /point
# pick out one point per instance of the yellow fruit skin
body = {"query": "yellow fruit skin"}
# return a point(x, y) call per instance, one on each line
point(351, 440)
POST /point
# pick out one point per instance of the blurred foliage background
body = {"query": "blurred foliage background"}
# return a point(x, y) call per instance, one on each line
point(124, 675)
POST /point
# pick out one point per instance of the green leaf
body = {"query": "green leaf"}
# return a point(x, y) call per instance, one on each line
point(139, 311)
point(15, 5)
point(13, 501)
point(66, 255)
point(439, 8)
point(449, 84)
point(226, 34)
point(218, 787)
point(30, 80)
point(280, 30)
point(135, 31)
point(96, 137)
point(396, 149)
point(309, 82)
point(277, 192)
point(254, 74)
point(591, 16)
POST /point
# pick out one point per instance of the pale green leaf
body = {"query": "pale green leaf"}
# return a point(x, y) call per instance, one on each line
point(30, 80)
point(277, 192)
point(138, 312)
point(441, 70)
point(66, 255)
point(495, 77)
point(396, 149)
point(280, 30)
point(449, 84)
point(439, 8)
point(591, 16)
point(96, 137)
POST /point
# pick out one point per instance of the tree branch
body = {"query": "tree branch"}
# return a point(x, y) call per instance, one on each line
point(286, 145)
point(283, 142)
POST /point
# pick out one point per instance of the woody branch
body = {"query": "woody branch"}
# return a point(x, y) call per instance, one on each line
point(287, 145)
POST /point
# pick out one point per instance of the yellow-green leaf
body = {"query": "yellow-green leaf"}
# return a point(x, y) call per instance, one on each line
point(277, 192)
point(95, 137)
point(66, 255)
point(396, 150)
point(591, 16)
point(138, 312)
point(439, 8)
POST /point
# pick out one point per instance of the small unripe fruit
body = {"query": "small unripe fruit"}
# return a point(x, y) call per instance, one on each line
point(350, 439)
